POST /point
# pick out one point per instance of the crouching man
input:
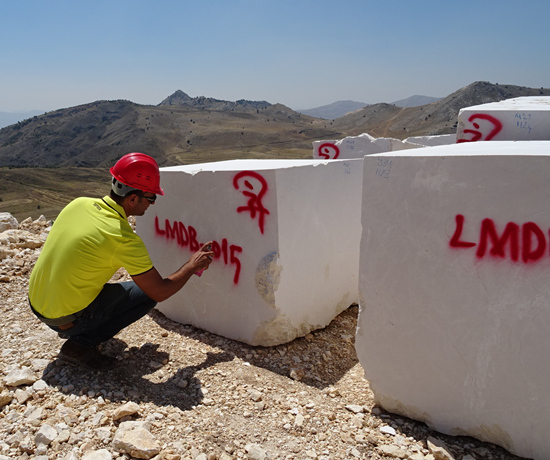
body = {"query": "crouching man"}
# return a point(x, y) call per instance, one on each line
point(88, 242)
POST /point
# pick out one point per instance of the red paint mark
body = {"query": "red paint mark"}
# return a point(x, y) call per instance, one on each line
point(530, 230)
point(254, 203)
point(477, 135)
point(329, 151)
point(532, 244)
point(455, 240)
point(186, 236)
point(511, 234)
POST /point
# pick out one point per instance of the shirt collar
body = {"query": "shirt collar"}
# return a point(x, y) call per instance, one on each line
point(113, 204)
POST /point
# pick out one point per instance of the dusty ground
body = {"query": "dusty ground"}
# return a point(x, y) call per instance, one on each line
point(206, 397)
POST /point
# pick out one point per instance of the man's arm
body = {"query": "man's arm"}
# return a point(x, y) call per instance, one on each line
point(159, 288)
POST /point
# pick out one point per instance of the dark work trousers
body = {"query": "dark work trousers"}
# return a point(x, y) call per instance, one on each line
point(118, 305)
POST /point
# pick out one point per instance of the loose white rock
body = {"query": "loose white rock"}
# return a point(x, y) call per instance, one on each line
point(19, 377)
point(101, 454)
point(45, 435)
point(137, 442)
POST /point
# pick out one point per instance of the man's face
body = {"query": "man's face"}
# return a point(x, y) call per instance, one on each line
point(142, 203)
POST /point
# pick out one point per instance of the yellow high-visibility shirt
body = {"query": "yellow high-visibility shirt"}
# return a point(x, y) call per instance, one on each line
point(88, 242)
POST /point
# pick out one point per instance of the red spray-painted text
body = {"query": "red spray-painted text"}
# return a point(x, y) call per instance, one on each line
point(186, 236)
point(328, 151)
point(257, 188)
point(527, 240)
point(494, 125)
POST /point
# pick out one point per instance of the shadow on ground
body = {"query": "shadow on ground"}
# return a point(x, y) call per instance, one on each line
point(319, 359)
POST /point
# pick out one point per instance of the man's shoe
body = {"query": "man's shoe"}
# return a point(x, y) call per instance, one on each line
point(86, 356)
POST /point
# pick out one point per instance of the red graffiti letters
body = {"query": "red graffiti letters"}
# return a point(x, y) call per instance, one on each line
point(477, 134)
point(455, 240)
point(329, 151)
point(531, 245)
point(257, 188)
point(186, 236)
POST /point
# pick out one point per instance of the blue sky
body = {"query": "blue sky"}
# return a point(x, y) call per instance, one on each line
point(301, 53)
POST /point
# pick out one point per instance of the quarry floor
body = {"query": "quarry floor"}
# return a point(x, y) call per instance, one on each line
point(207, 397)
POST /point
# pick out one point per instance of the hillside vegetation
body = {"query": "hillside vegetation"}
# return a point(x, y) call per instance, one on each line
point(82, 142)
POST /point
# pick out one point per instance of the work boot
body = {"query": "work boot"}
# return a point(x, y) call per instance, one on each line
point(86, 356)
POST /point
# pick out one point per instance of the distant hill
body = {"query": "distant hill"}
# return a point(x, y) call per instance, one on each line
point(9, 118)
point(440, 117)
point(340, 108)
point(191, 131)
point(416, 101)
point(179, 98)
point(334, 110)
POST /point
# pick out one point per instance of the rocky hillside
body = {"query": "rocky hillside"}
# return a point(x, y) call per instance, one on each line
point(182, 393)
point(97, 134)
point(179, 98)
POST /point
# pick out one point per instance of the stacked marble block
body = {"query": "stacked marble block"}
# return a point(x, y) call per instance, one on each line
point(522, 118)
point(286, 236)
point(454, 289)
point(358, 146)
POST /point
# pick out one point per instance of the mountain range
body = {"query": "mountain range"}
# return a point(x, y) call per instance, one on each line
point(341, 108)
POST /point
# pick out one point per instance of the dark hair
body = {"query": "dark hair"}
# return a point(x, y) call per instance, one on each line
point(116, 198)
point(120, 199)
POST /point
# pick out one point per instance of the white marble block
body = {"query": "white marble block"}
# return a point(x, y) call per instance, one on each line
point(358, 146)
point(518, 119)
point(430, 141)
point(454, 286)
point(286, 235)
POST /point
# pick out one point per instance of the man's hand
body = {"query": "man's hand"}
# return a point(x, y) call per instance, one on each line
point(202, 259)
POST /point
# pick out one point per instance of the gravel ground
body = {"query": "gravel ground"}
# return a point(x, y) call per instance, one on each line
point(198, 395)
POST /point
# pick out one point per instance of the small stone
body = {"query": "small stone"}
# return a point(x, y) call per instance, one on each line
point(182, 383)
point(101, 454)
point(19, 377)
point(125, 410)
point(63, 436)
point(393, 451)
point(386, 429)
point(5, 398)
point(135, 441)
point(355, 408)
point(297, 373)
point(255, 395)
point(481, 451)
point(39, 385)
point(7, 221)
point(255, 452)
point(420, 456)
point(439, 449)
point(45, 435)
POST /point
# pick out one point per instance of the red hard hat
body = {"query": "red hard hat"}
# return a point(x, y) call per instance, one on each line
point(138, 170)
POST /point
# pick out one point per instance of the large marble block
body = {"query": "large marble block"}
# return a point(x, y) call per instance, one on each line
point(358, 146)
point(454, 287)
point(521, 118)
point(286, 235)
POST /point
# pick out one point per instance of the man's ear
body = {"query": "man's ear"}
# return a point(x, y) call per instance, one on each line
point(132, 199)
